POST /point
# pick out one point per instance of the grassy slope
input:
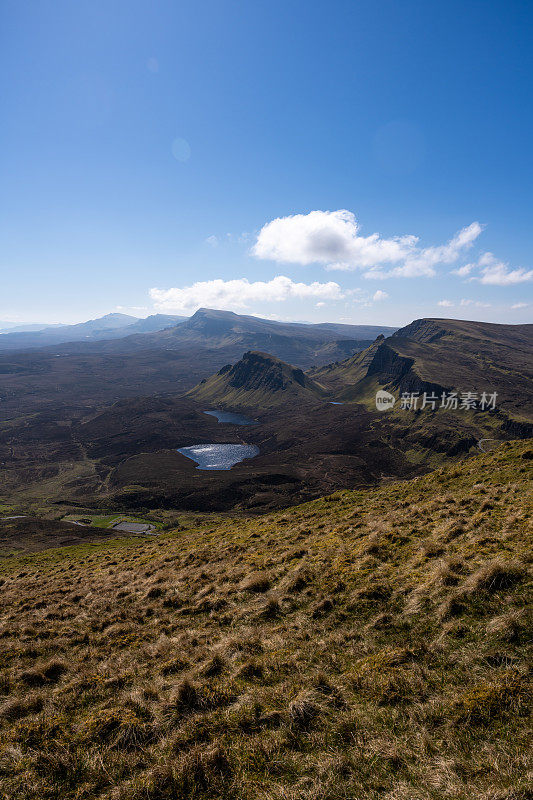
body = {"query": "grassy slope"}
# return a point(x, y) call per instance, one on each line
point(469, 356)
point(264, 382)
point(343, 375)
point(366, 645)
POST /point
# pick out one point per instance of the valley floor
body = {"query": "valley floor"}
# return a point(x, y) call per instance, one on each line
point(370, 644)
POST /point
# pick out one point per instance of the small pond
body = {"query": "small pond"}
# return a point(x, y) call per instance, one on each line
point(219, 456)
point(230, 416)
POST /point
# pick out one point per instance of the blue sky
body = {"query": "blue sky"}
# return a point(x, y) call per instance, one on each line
point(157, 156)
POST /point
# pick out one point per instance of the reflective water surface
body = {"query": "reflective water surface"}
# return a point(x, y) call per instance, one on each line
point(230, 416)
point(219, 456)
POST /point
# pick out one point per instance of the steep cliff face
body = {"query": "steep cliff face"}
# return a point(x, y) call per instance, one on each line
point(259, 371)
point(398, 372)
point(338, 375)
point(421, 330)
point(436, 355)
point(388, 365)
point(383, 363)
point(257, 381)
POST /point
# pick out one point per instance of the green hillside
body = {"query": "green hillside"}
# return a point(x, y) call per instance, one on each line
point(371, 644)
point(258, 381)
point(434, 355)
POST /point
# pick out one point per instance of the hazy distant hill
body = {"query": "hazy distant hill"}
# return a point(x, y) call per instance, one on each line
point(9, 327)
point(221, 327)
point(107, 327)
point(155, 322)
point(228, 336)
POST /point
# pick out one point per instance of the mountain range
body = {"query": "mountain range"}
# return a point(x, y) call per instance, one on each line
point(173, 360)
point(207, 328)
point(107, 327)
point(12, 327)
point(97, 426)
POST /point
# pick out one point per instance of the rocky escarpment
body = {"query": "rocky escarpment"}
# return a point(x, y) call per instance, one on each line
point(257, 381)
point(261, 371)
point(398, 372)
point(421, 330)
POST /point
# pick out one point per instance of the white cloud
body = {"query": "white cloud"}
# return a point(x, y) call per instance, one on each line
point(239, 293)
point(497, 273)
point(475, 303)
point(212, 241)
point(493, 272)
point(326, 237)
point(486, 258)
point(332, 238)
point(423, 262)
point(379, 295)
point(445, 303)
point(520, 305)
point(463, 271)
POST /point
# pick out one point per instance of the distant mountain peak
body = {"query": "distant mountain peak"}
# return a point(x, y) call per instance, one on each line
point(115, 315)
point(210, 329)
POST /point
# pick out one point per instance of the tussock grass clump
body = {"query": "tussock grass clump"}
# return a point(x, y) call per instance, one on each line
point(495, 576)
point(389, 676)
point(384, 658)
point(32, 677)
point(214, 666)
point(298, 580)
point(452, 606)
point(18, 707)
point(201, 770)
point(508, 626)
point(257, 582)
point(121, 727)
point(271, 609)
point(485, 702)
point(250, 669)
point(154, 593)
point(323, 607)
point(50, 672)
point(40, 731)
point(304, 709)
point(185, 698)
point(173, 665)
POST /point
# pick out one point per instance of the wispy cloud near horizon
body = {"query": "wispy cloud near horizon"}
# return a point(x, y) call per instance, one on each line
point(240, 293)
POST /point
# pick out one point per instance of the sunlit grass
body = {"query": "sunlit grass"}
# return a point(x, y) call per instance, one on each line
point(370, 644)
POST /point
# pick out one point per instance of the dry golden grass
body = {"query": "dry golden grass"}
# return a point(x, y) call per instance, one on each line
point(367, 645)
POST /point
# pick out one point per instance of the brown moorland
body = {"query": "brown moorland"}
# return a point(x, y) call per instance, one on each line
point(370, 644)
